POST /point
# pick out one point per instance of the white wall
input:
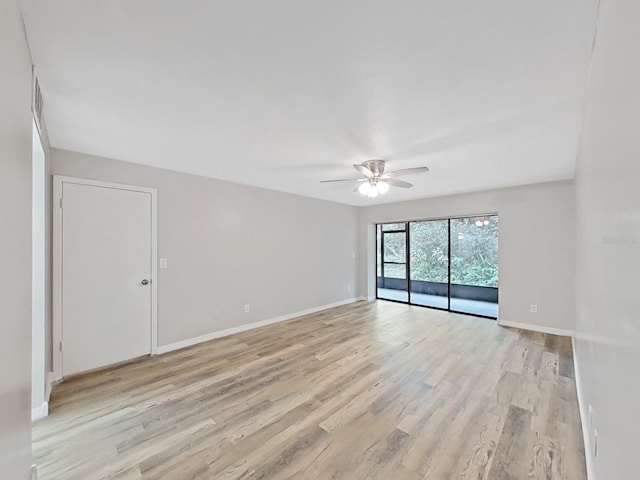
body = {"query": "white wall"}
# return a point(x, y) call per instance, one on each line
point(608, 245)
point(535, 251)
point(229, 245)
point(15, 246)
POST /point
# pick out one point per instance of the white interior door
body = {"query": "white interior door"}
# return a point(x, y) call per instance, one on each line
point(106, 275)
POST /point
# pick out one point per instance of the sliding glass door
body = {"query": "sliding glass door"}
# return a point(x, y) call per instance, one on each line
point(474, 265)
point(450, 264)
point(429, 266)
point(392, 264)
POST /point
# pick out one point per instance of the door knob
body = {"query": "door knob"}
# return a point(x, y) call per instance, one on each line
point(145, 281)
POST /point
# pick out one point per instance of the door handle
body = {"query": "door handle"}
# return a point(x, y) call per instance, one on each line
point(145, 281)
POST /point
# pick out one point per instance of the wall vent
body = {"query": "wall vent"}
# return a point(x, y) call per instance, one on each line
point(37, 104)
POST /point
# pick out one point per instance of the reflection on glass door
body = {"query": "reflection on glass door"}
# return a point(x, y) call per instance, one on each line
point(474, 265)
point(392, 262)
point(429, 250)
point(450, 264)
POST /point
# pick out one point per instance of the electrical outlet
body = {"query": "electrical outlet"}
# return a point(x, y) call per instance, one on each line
point(246, 308)
point(348, 287)
point(533, 308)
point(163, 263)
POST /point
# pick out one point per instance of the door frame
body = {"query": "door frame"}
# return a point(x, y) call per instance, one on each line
point(406, 263)
point(58, 181)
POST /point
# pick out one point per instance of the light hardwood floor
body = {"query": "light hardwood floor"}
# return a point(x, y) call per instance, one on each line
point(370, 390)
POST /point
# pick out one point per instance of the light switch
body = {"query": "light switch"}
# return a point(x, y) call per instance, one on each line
point(163, 263)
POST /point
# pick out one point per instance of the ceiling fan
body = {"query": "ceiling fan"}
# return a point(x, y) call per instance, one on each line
point(375, 181)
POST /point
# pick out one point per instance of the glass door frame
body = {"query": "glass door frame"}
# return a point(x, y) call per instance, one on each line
point(407, 233)
point(407, 259)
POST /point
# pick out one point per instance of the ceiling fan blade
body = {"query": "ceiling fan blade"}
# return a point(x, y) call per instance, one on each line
point(363, 170)
point(398, 183)
point(407, 171)
point(344, 180)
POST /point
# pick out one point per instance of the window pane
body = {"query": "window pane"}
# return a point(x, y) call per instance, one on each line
point(395, 270)
point(395, 247)
point(393, 226)
point(474, 251)
point(430, 251)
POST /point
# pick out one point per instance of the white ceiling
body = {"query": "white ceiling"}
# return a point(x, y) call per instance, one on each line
point(284, 93)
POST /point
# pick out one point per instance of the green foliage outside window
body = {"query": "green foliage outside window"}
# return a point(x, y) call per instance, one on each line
point(474, 251)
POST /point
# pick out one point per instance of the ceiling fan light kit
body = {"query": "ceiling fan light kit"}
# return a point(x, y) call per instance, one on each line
point(375, 181)
point(383, 187)
point(373, 189)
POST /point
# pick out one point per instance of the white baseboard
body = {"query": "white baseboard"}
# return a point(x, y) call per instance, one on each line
point(364, 298)
point(584, 414)
point(40, 412)
point(536, 328)
point(48, 386)
point(250, 326)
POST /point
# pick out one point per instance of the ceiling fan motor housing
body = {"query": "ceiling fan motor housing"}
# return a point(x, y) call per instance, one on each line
point(375, 166)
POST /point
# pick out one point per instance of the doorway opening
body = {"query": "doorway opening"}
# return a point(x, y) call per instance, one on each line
point(449, 264)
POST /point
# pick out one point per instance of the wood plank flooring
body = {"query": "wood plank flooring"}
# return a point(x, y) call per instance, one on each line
point(366, 391)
